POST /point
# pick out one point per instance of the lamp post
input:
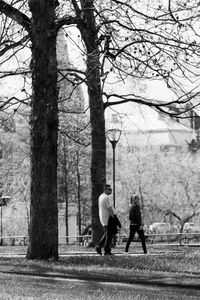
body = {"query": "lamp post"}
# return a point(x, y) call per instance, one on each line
point(3, 201)
point(113, 136)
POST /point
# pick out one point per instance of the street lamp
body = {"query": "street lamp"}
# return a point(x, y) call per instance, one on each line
point(3, 201)
point(113, 136)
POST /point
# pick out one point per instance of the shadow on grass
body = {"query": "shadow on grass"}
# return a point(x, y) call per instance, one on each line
point(175, 269)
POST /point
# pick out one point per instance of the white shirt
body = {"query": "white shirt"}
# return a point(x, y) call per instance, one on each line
point(104, 204)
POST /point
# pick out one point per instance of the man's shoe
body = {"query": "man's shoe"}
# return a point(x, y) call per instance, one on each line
point(98, 250)
point(126, 253)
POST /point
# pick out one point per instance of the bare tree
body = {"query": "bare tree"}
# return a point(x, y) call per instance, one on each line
point(43, 231)
point(140, 39)
point(127, 41)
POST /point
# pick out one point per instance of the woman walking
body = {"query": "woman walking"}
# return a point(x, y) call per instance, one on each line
point(135, 223)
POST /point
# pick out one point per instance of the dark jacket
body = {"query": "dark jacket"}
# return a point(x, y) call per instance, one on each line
point(113, 223)
point(135, 215)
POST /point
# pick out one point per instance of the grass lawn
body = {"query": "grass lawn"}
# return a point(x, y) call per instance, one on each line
point(160, 259)
point(187, 262)
point(92, 271)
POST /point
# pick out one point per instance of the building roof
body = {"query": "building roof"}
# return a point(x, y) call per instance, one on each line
point(147, 127)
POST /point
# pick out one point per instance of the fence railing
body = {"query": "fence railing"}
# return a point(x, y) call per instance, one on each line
point(120, 239)
point(22, 240)
point(184, 237)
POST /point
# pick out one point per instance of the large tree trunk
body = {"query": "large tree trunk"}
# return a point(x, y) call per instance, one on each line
point(43, 231)
point(78, 191)
point(98, 139)
point(98, 163)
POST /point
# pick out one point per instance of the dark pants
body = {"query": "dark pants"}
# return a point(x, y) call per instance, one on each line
point(140, 232)
point(106, 240)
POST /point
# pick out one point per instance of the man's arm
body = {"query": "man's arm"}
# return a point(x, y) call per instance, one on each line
point(109, 206)
point(111, 211)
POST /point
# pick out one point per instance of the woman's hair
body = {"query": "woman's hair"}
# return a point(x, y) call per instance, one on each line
point(134, 197)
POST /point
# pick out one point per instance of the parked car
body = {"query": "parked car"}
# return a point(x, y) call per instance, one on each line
point(159, 227)
point(163, 232)
point(191, 228)
point(162, 228)
point(174, 229)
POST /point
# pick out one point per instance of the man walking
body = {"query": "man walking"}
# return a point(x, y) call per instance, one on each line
point(105, 211)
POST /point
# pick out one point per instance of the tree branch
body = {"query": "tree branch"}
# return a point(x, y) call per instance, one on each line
point(14, 45)
point(75, 139)
point(17, 72)
point(158, 105)
point(15, 15)
point(64, 21)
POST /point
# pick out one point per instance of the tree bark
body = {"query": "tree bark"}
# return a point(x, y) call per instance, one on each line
point(98, 139)
point(66, 193)
point(78, 191)
point(43, 231)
